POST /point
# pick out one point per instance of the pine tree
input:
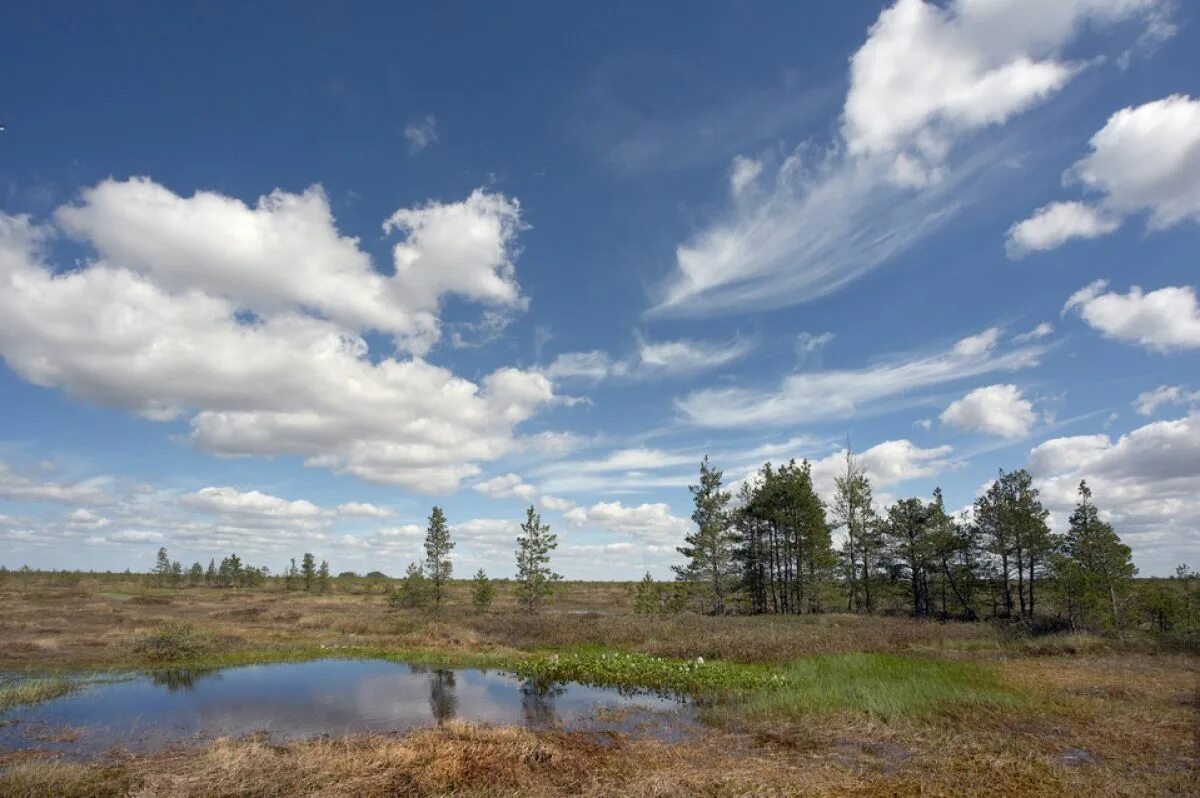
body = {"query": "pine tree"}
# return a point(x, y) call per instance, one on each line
point(437, 553)
point(233, 569)
point(323, 576)
point(648, 599)
point(784, 544)
point(952, 557)
point(308, 570)
point(535, 580)
point(750, 550)
point(1012, 522)
point(908, 529)
point(196, 574)
point(414, 589)
point(1096, 565)
point(210, 576)
point(482, 591)
point(709, 549)
point(854, 511)
point(162, 567)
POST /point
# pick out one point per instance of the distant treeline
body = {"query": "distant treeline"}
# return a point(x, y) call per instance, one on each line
point(771, 550)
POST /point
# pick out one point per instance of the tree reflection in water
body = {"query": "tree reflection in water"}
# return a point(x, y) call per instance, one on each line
point(537, 702)
point(443, 702)
point(175, 679)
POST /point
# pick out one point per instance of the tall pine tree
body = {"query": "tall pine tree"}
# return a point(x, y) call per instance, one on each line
point(1096, 566)
point(437, 554)
point(709, 549)
point(1012, 523)
point(308, 570)
point(535, 579)
point(853, 510)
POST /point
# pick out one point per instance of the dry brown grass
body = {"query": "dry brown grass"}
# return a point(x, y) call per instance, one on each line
point(988, 755)
point(455, 759)
point(77, 626)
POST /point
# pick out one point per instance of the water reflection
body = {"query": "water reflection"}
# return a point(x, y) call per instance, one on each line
point(182, 678)
point(443, 703)
point(298, 700)
point(537, 702)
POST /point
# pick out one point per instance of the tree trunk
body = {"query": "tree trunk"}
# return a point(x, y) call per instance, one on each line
point(957, 594)
point(1112, 595)
point(1021, 580)
point(1008, 602)
point(867, 583)
point(1031, 568)
point(916, 586)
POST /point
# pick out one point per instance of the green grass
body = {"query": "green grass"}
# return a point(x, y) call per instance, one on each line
point(880, 685)
point(20, 692)
point(694, 677)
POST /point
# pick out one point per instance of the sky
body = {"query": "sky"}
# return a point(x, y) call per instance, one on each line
point(279, 280)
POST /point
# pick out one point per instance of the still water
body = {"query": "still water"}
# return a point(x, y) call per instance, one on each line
point(289, 701)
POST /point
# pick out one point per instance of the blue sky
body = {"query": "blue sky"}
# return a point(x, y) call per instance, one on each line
point(277, 283)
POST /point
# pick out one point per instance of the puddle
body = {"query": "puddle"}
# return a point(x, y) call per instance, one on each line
point(291, 701)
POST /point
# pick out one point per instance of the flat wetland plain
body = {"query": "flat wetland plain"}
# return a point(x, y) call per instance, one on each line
point(829, 704)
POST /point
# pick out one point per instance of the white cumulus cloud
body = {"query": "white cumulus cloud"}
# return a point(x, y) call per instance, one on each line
point(363, 510)
point(506, 486)
point(1144, 160)
point(651, 522)
point(250, 503)
point(994, 410)
point(1145, 481)
point(1162, 320)
point(1053, 224)
point(180, 318)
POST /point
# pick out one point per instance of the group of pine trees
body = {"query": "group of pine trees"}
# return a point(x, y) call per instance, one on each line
point(231, 572)
point(309, 576)
point(772, 551)
point(425, 583)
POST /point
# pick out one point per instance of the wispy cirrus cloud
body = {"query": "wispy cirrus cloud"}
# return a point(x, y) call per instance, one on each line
point(420, 133)
point(816, 396)
point(651, 360)
point(927, 79)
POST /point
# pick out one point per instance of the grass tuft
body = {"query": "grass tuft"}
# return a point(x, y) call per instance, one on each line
point(22, 692)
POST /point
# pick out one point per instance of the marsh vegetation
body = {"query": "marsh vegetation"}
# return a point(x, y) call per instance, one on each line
point(831, 703)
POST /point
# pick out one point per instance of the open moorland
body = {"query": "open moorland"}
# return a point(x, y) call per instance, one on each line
point(824, 704)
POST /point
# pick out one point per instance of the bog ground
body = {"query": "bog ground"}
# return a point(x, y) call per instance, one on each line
point(828, 704)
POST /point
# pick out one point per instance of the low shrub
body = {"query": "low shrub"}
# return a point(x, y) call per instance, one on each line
point(151, 600)
point(174, 641)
